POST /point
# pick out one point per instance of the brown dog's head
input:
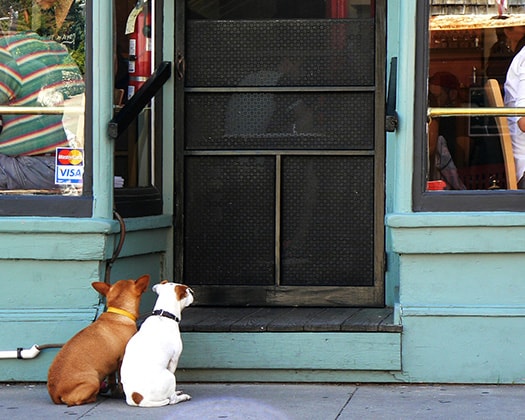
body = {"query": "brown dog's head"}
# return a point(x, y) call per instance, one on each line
point(124, 294)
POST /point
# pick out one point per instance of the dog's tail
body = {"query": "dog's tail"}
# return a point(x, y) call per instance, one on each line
point(137, 399)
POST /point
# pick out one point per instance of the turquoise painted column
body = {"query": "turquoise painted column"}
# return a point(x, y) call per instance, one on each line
point(102, 94)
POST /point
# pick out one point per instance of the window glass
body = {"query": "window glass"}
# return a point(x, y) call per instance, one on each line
point(42, 61)
point(278, 9)
point(471, 146)
point(138, 148)
point(134, 52)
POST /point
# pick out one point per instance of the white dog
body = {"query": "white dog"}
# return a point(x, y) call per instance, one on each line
point(151, 356)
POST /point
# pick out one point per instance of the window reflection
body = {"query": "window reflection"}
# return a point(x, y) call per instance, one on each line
point(278, 9)
point(470, 44)
point(270, 70)
point(134, 32)
point(42, 96)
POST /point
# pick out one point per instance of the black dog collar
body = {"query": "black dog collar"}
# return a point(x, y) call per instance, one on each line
point(162, 312)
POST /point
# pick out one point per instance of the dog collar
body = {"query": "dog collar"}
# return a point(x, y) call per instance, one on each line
point(127, 314)
point(162, 312)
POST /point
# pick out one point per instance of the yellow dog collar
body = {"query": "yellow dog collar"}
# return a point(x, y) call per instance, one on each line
point(122, 312)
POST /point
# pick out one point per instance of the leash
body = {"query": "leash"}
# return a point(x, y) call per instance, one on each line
point(117, 250)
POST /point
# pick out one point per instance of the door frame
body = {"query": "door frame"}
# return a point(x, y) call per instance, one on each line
point(337, 296)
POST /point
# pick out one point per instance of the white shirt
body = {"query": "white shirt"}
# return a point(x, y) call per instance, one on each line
point(515, 97)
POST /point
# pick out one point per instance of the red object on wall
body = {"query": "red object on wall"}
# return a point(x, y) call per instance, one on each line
point(140, 46)
point(336, 9)
point(436, 185)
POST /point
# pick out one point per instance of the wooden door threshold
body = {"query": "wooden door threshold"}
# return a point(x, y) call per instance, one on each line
point(274, 319)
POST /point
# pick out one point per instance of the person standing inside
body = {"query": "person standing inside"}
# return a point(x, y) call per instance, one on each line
point(443, 91)
point(515, 97)
point(510, 40)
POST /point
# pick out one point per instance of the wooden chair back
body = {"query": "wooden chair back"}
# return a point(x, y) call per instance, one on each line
point(494, 99)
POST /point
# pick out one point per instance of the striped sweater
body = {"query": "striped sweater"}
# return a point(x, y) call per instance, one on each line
point(34, 72)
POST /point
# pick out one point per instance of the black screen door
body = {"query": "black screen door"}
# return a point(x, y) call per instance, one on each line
point(280, 152)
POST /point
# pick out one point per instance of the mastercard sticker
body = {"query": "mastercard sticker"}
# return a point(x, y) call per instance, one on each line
point(69, 167)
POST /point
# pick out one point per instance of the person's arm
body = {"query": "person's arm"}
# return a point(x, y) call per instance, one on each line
point(521, 124)
point(520, 97)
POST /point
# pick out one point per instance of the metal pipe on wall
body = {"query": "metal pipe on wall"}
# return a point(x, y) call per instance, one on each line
point(30, 353)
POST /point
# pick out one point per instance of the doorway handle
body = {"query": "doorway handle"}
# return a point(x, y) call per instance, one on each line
point(181, 66)
point(391, 119)
point(139, 100)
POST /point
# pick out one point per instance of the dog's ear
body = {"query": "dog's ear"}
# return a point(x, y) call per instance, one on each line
point(102, 288)
point(154, 288)
point(181, 291)
point(142, 283)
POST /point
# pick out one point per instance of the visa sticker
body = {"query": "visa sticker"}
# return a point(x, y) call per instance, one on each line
point(69, 165)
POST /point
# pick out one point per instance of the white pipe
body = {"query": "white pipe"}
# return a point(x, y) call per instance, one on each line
point(21, 353)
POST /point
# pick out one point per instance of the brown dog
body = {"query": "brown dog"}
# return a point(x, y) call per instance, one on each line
point(95, 352)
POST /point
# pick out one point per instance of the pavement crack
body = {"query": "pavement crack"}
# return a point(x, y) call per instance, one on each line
point(87, 413)
point(346, 403)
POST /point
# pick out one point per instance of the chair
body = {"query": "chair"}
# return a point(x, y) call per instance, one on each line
point(495, 100)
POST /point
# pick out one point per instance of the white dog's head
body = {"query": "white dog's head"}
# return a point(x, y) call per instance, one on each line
point(183, 294)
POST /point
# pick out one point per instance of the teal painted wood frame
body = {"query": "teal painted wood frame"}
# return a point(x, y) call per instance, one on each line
point(462, 296)
point(295, 351)
point(48, 265)
point(24, 328)
point(465, 347)
point(285, 375)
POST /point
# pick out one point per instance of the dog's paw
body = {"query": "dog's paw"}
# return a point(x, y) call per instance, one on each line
point(178, 397)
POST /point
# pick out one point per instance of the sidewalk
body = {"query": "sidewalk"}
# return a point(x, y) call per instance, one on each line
point(286, 402)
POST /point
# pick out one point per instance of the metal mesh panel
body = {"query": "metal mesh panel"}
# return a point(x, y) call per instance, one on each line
point(280, 53)
point(280, 121)
point(327, 221)
point(229, 220)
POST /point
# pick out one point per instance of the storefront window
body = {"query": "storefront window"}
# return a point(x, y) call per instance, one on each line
point(471, 137)
point(42, 91)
